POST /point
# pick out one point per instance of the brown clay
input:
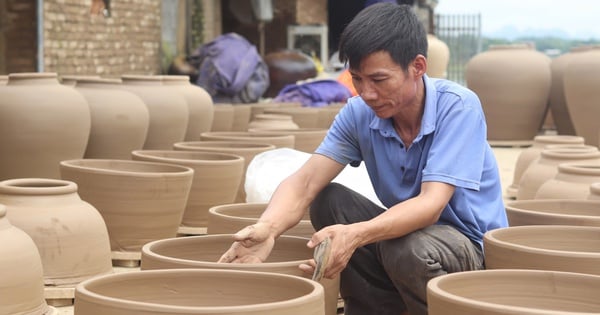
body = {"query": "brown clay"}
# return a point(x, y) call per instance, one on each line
point(272, 121)
point(246, 136)
point(241, 117)
point(304, 117)
point(223, 118)
point(553, 212)
point(594, 191)
point(438, 56)
point(572, 181)
point(305, 139)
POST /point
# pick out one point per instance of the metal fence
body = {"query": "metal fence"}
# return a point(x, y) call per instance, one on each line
point(462, 34)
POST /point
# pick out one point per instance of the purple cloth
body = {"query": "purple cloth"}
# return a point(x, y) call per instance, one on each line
point(318, 93)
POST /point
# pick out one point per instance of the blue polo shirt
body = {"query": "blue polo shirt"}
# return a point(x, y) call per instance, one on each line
point(451, 147)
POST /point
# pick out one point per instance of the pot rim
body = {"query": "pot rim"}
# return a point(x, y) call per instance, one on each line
point(237, 145)
point(222, 158)
point(514, 205)
point(37, 186)
point(78, 164)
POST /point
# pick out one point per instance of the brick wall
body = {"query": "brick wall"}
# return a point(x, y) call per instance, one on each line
point(18, 39)
point(127, 42)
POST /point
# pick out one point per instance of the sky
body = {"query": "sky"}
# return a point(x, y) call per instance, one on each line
point(577, 19)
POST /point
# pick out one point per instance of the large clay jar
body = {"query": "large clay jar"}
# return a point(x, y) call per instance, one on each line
point(594, 191)
point(558, 103)
point(581, 80)
point(246, 136)
point(533, 152)
point(272, 121)
point(217, 177)
point(513, 292)
point(546, 166)
point(204, 252)
point(572, 181)
point(200, 105)
point(230, 218)
point(438, 57)
point(139, 201)
point(199, 291)
point(22, 285)
point(223, 117)
point(70, 233)
point(288, 67)
point(545, 247)
point(41, 123)
point(305, 139)
point(241, 117)
point(168, 109)
point(513, 84)
point(304, 117)
point(554, 212)
point(120, 119)
point(247, 150)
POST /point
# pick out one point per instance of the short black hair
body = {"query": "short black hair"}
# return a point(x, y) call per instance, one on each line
point(384, 27)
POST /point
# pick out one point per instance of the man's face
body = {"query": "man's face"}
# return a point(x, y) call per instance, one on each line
point(384, 85)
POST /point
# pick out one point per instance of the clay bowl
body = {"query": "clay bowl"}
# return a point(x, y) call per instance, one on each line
point(306, 139)
point(198, 291)
point(553, 212)
point(511, 291)
point(139, 201)
point(545, 247)
point(246, 136)
point(204, 252)
point(230, 218)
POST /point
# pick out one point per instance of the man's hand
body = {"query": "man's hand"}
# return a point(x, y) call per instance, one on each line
point(252, 244)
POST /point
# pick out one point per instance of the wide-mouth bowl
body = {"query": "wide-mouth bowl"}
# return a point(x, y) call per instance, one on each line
point(219, 145)
point(553, 211)
point(117, 167)
point(174, 156)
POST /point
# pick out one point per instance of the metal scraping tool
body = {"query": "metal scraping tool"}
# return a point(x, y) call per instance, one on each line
point(321, 256)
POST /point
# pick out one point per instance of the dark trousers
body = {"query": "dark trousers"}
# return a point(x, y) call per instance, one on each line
point(390, 277)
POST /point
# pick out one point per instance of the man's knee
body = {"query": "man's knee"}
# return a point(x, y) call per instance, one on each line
point(322, 206)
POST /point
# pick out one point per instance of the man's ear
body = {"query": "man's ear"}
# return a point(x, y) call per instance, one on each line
point(419, 65)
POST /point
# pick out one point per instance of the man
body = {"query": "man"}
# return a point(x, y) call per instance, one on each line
point(423, 142)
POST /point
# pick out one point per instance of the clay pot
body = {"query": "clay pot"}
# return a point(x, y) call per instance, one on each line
point(41, 123)
point(120, 119)
point(327, 115)
point(305, 139)
point(553, 212)
point(230, 218)
point(203, 252)
point(3, 79)
point(223, 117)
point(533, 152)
point(594, 191)
point(513, 292)
point(241, 117)
point(438, 57)
point(304, 117)
point(246, 136)
point(272, 121)
point(288, 67)
point(581, 79)
point(72, 79)
point(514, 105)
point(22, 289)
point(200, 105)
point(557, 101)
point(168, 109)
point(217, 177)
point(139, 201)
point(247, 150)
point(70, 233)
point(199, 291)
point(572, 181)
point(544, 247)
point(546, 166)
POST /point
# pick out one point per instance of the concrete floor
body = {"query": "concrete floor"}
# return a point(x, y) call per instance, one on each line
point(506, 156)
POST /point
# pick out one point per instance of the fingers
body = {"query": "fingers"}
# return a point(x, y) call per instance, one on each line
point(308, 267)
point(228, 257)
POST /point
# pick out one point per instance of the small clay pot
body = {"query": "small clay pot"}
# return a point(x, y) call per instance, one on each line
point(204, 252)
point(304, 117)
point(246, 136)
point(513, 292)
point(272, 121)
point(198, 291)
point(223, 117)
point(553, 212)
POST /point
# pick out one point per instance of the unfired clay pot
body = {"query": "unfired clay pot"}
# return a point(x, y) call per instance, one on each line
point(272, 121)
point(70, 233)
point(223, 117)
point(438, 57)
point(168, 109)
point(247, 150)
point(304, 117)
point(533, 152)
point(41, 123)
point(198, 291)
point(513, 292)
point(594, 191)
point(3, 79)
point(204, 252)
point(246, 136)
point(305, 139)
point(200, 105)
point(553, 212)
point(572, 181)
point(259, 108)
point(230, 218)
point(139, 201)
point(120, 119)
point(514, 105)
point(545, 167)
point(217, 177)
point(547, 247)
point(241, 117)
point(22, 284)
point(581, 80)
point(327, 115)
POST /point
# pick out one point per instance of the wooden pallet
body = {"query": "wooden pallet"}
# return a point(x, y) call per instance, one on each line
point(126, 259)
